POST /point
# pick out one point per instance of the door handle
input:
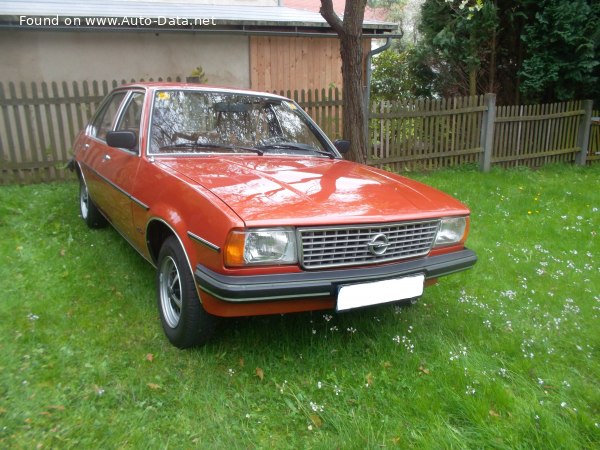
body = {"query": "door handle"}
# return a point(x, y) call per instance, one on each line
point(106, 158)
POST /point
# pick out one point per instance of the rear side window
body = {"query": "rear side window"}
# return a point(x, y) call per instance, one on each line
point(106, 117)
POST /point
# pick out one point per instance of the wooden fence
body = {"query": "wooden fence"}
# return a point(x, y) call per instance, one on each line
point(38, 123)
point(323, 106)
point(594, 145)
point(426, 134)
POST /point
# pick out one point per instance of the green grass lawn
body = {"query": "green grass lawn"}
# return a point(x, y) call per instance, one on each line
point(503, 356)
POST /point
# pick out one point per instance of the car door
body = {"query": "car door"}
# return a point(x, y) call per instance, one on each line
point(118, 166)
point(110, 172)
point(94, 149)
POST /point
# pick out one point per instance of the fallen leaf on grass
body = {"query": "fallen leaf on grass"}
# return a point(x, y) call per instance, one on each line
point(316, 420)
point(424, 370)
point(56, 407)
point(260, 373)
point(62, 252)
point(369, 379)
point(150, 357)
point(153, 386)
point(494, 413)
point(242, 362)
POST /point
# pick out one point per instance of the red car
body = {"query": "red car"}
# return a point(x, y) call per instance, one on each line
point(245, 207)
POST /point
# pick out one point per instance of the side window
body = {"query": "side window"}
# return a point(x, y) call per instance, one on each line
point(132, 115)
point(105, 118)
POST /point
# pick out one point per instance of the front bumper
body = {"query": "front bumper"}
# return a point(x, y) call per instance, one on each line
point(324, 283)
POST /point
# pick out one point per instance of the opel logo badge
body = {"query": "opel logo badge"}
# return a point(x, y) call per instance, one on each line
point(378, 245)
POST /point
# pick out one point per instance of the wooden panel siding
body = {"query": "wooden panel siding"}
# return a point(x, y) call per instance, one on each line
point(294, 63)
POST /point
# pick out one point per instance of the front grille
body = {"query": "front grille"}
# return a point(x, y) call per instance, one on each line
point(323, 247)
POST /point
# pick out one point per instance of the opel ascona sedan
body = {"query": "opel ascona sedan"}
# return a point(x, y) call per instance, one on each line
point(245, 207)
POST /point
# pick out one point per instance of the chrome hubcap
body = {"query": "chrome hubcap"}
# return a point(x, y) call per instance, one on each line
point(84, 199)
point(170, 291)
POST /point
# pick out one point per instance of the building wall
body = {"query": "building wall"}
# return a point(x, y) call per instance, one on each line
point(282, 63)
point(226, 2)
point(75, 56)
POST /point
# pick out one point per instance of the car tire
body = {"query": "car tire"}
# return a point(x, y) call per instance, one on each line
point(184, 320)
point(90, 214)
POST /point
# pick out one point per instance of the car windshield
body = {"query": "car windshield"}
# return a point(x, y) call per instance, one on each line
point(187, 121)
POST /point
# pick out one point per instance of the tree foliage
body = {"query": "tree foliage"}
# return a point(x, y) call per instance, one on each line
point(457, 41)
point(522, 50)
point(561, 51)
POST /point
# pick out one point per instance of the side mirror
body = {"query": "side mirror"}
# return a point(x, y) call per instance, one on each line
point(342, 146)
point(122, 139)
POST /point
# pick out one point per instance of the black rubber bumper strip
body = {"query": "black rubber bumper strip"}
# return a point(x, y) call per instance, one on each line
point(323, 283)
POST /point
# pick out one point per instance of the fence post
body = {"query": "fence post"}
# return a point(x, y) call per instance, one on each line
point(487, 132)
point(583, 139)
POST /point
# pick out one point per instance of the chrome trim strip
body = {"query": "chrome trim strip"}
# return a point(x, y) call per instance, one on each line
point(121, 190)
point(265, 298)
point(204, 242)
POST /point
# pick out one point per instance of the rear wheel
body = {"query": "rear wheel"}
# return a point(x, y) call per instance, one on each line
point(184, 320)
point(90, 214)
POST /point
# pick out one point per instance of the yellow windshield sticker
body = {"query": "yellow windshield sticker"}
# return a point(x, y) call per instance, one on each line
point(164, 96)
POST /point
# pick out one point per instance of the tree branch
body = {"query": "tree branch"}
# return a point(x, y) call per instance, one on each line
point(331, 17)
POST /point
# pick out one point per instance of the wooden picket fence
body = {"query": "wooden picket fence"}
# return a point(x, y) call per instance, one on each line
point(324, 106)
point(594, 145)
point(427, 134)
point(39, 121)
point(535, 135)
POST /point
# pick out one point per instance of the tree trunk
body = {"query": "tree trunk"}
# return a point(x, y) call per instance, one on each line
point(352, 96)
point(351, 50)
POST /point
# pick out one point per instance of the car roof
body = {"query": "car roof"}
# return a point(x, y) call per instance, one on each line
point(161, 85)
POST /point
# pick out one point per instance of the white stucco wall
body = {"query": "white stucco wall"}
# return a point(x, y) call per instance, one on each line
point(223, 2)
point(74, 56)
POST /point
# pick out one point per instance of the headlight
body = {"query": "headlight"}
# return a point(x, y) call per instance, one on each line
point(452, 231)
point(261, 246)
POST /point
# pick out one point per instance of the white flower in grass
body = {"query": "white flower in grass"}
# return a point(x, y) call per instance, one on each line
point(316, 408)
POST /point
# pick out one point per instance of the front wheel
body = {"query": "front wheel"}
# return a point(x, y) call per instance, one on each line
point(184, 320)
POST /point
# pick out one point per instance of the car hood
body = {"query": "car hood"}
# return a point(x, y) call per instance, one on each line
point(279, 191)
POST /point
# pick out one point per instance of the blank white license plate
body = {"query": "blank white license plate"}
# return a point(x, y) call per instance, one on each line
point(377, 292)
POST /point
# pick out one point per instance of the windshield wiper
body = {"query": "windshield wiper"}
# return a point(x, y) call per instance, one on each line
point(303, 147)
point(194, 145)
